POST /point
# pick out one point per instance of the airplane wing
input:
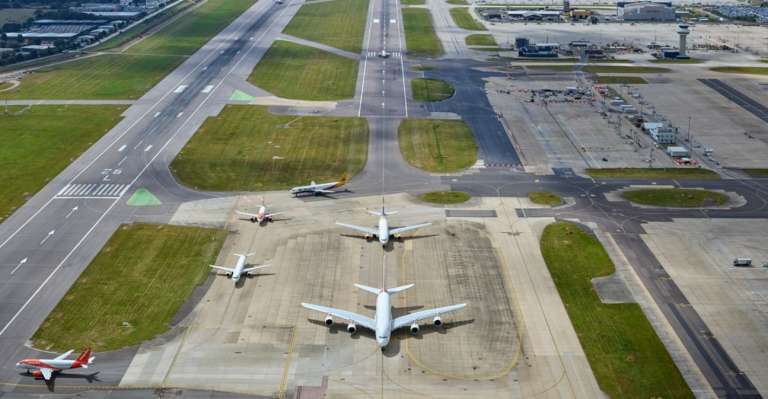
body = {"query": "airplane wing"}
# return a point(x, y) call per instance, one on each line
point(250, 269)
point(406, 228)
point(247, 214)
point(365, 229)
point(424, 314)
point(64, 356)
point(226, 269)
point(274, 214)
point(366, 322)
point(325, 191)
point(46, 372)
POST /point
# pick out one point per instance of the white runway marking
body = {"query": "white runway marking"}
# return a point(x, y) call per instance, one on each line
point(148, 148)
point(392, 21)
point(138, 144)
point(375, 21)
point(156, 115)
point(47, 237)
point(123, 160)
point(208, 89)
point(122, 148)
point(180, 114)
point(180, 89)
point(23, 261)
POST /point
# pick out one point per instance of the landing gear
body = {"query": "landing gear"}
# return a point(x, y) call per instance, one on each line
point(383, 349)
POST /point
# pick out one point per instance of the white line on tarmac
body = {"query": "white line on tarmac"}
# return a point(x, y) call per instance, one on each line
point(180, 114)
point(138, 144)
point(156, 115)
point(365, 63)
point(180, 89)
point(148, 148)
point(208, 89)
point(123, 160)
point(122, 148)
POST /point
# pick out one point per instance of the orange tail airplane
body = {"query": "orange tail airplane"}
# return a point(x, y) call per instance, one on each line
point(46, 367)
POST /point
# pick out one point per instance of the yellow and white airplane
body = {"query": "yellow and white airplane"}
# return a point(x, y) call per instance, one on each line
point(318, 189)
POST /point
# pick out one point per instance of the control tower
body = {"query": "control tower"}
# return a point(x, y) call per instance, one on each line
point(683, 32)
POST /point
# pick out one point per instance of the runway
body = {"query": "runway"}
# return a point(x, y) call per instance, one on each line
point(744, 101)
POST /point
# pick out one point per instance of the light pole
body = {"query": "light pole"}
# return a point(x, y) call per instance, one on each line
point(689, 128)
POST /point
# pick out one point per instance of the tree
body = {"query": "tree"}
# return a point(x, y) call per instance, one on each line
point(38, 13)
point(3, 37)
point(20, 38)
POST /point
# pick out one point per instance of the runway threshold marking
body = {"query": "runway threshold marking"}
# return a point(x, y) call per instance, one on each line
point(208, 89)
point(122, 148)
point(180, 89)
point(149, 147)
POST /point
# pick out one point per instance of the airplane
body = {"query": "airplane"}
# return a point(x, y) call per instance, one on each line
point(259, 217)
point(383, 232)
point(317, 189)
point(382, 323)
point(383, 54)
point(239, 268)
point(46, 367)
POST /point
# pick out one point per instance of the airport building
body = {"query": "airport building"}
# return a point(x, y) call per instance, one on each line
point(534, 15)
point(663, 135)
point(646, 11)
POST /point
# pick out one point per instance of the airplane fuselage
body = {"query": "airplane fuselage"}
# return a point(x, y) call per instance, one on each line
point(52, 364)
point(260, 215)
point(238, 269)
point(383, 318)
point(312, 189)
point(383, 230)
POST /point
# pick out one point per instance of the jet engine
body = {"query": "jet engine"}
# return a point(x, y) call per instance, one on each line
point(368, 237)
point(229, 274)
point(437, 321)
point(328, 320)
point(414, 329)
point(399, 237)
point(37, 373)
point(351, 328)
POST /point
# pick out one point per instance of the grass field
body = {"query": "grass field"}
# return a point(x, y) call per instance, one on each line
point(19, 15)
point(124, 38)
point(422, 68)
point(649, 173)
point(105, 77)
point(490, 49)
point(190, 32)
point(545, 198)
point(339, 23)
point(141, 276)
point(236, 151)
point(445, 197)
point(5, 85)
point(420, 35)
point(480, 40)
point(38, 144)
point(624, 352)
point(742, 70)
point(621, 80)
point(427, 90)
point(295, 71)
point(676, 61)
point(673, 197)
point(464, 20)
point(413, 2)
point(756, 172)
point(458, 2)
point(437, 145)
point(603, 68)
point(545, 60)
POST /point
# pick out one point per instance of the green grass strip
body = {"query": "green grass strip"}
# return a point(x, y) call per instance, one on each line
point(621, 80)
point(673, 197)
point(437, 145)
point(420, 37)
point(142, 276)
point(464, 20)
point(624, 352)
point(480, 40)
point(742, 70)
point(651, 173)
point(445, 197)
point(545, 198)
point(427, 90)
point(246, 147)
point(339, 23)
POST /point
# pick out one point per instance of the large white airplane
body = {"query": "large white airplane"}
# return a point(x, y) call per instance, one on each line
point(46, 367)
point(383, 233)
point(319, 188)
point(239, 268)
point(382, 323)
point(262, 215)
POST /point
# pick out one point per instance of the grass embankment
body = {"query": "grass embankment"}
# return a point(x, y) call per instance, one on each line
point(437, 145)
point(427, 90)
point(464, 20)
point(624, 352)
point(602, 68)
point(38, 144)
point(673, 197)
point(445, 197)
point(420, 37)
point(742, 70)
point(141, 276)
point(458, 2)
point(5, 85)
point(636, 80)
point(190, 32)
point(480, 40)
point(339, 23)
point(422, 68)
point(676, 61)
point(649, 173)
point(756, 172)
point(247, 144)
point(295, 71)
point(545, 198)
point(413, 2)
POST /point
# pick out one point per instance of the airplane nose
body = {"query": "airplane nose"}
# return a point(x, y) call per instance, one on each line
point(20, 365)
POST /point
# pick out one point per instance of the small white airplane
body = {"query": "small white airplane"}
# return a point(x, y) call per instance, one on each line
point(383, 233)
point(239, 269)
point(317, 189)
point(46, 367)
point(383, 54)
point(382, 323)
point(262, 215)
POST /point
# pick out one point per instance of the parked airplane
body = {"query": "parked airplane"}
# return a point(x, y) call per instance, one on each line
point(239, 268)
point(319, 188)
point(259, 217)
point(46, 367)
point(382, 323)
point(383, 54)
point(383, 233)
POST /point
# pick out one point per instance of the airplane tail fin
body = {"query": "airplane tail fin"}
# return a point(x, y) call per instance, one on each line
point(374, 291)
point(246, 255)
point(398, 289)
point(342, 180)
point(262, 201)
point(84, 357)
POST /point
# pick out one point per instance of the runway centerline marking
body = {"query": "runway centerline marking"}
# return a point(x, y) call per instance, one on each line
point(122, 148)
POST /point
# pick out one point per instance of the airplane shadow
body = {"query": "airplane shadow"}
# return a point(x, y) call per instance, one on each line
point(51, 384)
point(427, 329)
point(241, 283)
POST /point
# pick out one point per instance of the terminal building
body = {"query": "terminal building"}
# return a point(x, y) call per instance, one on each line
point(646, 11)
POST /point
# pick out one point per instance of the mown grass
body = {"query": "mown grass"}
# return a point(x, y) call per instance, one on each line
point(38, 144)
point(650, 173)
point(742, 70)
point(5, 85)
point(673, 197)
point(491, 49)
point(545, 198)
point(756, 172)
point(413, 2)
point(626, 356)
point(458, 2)
point(464, 20)
point(190, 32)
point(480, 40)
point(676, 61)
point(339, 23)
point(621, 80)
point(247, 148)
point(132, 33)
point(420, 34)
point(422, 68)
point(602, 68)
point(295, 71)
point(103, 77)
point(427, 90)
point(142, 276)
point(437, 145)
point(545, 60)
point(445, 197)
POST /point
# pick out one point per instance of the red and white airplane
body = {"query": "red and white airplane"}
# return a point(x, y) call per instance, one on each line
point(46, 367)
point(262, 215)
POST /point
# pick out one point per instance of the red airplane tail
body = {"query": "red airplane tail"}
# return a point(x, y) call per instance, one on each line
point(83, 358)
